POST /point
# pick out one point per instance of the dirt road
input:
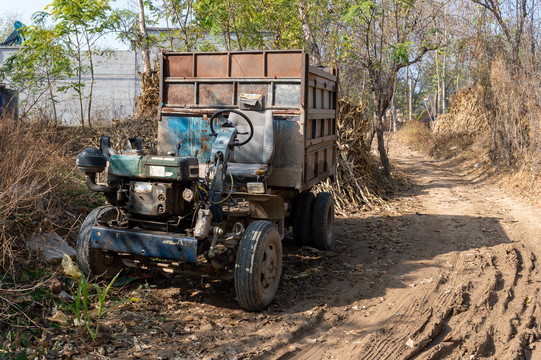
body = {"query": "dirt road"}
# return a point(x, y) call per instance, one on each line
point(449, 270)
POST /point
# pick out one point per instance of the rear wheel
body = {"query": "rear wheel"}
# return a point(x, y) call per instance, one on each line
point(323, 221)
point(302, 217)
point(92, 262)
point(259, 266)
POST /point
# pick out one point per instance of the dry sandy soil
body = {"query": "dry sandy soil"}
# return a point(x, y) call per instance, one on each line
point(449, 270)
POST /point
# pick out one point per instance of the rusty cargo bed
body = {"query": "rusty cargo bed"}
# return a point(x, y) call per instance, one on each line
point(302, 97)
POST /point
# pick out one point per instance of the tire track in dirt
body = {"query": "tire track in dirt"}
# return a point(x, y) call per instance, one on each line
point(470, 280)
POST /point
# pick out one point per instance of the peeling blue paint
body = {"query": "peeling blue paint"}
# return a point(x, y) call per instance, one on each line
point(192, 133)
point(166, 246)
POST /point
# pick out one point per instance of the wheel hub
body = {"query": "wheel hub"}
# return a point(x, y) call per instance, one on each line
point(268, 267)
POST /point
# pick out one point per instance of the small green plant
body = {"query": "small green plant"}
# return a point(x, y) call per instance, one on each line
point(82, 298)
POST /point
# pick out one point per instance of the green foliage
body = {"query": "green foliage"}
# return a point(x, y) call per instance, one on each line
point(78, 25)
point(127, 28)
point(246, 24)
point(400, 52)
point(38, 66)
point(363, 11)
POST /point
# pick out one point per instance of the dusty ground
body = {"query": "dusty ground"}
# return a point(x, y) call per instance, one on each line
point(449, 270)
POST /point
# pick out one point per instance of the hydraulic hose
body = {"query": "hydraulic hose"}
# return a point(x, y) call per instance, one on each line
point(91, 183)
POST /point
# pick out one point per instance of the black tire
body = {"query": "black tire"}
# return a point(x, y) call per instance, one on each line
point(259, 266)
point(91, 261)
point(302, 217)
point(322, 221)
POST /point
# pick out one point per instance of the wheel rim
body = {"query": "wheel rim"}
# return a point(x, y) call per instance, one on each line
point(269, 267)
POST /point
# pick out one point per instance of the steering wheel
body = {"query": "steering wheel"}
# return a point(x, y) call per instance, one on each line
point(225, 122)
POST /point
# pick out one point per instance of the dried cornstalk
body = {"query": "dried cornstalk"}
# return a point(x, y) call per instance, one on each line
point(468, 115)
point(149, 99)
point(355, 184)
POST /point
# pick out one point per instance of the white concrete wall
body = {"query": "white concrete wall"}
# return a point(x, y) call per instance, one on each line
point(7, 51)
point(116, 87)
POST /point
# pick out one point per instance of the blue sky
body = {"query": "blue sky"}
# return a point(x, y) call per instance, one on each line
point(26, 8)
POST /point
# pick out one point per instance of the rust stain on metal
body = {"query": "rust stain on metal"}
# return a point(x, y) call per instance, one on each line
point(247, 65)
point(179, 65)
point(215, 94)
point(180, 94)
point(284, 64)
point(210, 65)
point(253, 89)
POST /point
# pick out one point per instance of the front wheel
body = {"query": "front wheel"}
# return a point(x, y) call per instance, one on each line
point(91, 261)
point(259, 266)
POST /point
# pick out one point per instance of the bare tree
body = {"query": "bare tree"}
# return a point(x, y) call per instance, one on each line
point(145, 49)
point(313, 47)
point(385, 36)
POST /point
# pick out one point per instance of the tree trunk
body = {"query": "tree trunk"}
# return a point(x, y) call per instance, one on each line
point(395, 120)
point(80, 82)
point(443, 87)
point(381, 147)
point(92, 80)
point(51, 94)
point(145, 49)
point(410, 85)
point(370, 135)
point(308, 35)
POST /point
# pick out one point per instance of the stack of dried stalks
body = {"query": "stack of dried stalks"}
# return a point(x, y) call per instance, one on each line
point(355, 184)
point(468, 115)
point(149, 99)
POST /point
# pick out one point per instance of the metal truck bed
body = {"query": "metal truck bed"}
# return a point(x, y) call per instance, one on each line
point(303, 99)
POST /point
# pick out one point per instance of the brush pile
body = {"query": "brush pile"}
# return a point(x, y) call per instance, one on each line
point(468, 115)
point(143, 125)
point(120, 131)
point(355, 185)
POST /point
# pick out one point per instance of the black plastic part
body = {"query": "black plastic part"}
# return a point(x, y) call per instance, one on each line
point(218, 115)
point(105, 146)
point(91, 160)
point(134, 144)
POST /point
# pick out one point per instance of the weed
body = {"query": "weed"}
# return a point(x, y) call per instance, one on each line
point(82, 298)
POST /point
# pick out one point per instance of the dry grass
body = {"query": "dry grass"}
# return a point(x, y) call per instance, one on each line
point(37, 186)
point(40, 191)
point(418, 137)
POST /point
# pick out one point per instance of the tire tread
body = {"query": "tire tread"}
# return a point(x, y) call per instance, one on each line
point(246, 286)
point(321, 207)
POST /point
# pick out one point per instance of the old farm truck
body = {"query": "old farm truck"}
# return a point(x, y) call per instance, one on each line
point(243, 137)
